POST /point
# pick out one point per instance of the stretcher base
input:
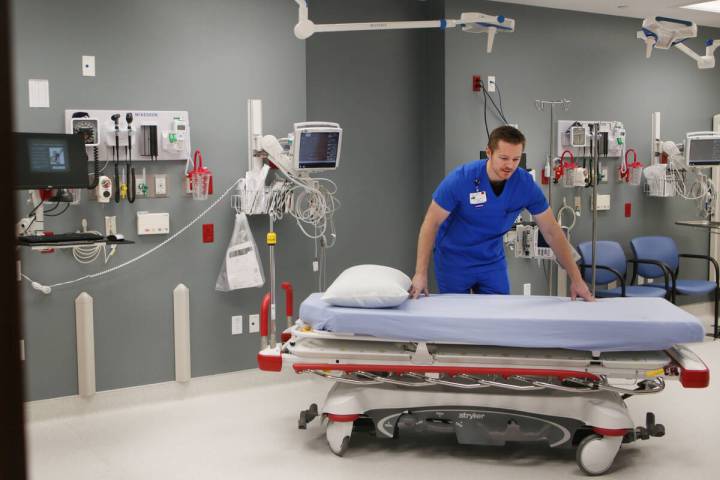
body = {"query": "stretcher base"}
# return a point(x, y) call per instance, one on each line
point(596, 425)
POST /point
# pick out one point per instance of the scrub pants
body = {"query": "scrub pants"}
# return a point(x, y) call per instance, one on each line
point(493, 281)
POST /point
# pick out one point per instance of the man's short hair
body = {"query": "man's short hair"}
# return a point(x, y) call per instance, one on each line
point(508, 134)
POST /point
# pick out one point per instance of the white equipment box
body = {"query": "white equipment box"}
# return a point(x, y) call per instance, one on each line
point(153, 223)
point(603, 202)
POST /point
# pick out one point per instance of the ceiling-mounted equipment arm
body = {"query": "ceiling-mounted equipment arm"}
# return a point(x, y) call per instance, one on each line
point(470, 22)
point(664, 32)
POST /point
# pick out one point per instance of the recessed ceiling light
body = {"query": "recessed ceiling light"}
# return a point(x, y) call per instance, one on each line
point(713, 6)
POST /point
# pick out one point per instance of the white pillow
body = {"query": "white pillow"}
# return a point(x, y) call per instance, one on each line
point(369, 286)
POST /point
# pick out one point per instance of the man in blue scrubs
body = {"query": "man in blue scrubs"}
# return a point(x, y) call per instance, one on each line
point(472, 209)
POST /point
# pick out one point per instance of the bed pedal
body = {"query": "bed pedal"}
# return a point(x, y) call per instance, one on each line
point(307, 416)
point(651, 429)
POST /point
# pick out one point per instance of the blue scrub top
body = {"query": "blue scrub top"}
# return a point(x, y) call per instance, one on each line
point(470, 240)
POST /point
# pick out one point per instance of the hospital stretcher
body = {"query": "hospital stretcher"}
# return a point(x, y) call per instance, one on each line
point(486, 395)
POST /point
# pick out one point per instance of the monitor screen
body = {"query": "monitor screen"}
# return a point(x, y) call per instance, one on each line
point(48, 156)
point(542, 243)
point(704, 151)
point(318, 150)
point(50, 160)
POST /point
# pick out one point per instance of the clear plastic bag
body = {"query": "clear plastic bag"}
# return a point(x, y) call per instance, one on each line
point(242, 267)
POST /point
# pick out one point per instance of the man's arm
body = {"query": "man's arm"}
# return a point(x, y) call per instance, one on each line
point(563, 252)
point(434, 217)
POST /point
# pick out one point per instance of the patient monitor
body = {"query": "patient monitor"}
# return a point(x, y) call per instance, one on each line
point(530, 243)
point(702, 149)
point(312, 147)
point(316, 146)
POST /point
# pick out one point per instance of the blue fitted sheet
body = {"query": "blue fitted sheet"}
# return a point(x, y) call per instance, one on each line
point(607, 325)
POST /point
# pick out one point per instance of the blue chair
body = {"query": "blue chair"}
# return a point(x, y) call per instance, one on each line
point(612, 267)
point(665, 250)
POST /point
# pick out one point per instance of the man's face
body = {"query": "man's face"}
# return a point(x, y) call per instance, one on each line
point(504, 160)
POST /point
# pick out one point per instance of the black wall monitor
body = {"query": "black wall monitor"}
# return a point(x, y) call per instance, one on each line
point(50, 160)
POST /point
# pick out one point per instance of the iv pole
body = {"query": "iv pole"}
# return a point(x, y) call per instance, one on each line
point(540, 105)
point(595, 173)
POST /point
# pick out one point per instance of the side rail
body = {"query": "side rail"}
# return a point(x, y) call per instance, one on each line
point(517, 379)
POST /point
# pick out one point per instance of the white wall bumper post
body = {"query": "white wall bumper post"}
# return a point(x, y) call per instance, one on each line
point(85, 344)
point(181, 309)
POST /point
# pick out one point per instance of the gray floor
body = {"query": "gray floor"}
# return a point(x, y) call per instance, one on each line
point(248, 431)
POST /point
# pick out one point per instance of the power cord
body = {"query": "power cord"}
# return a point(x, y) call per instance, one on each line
point(85, 254)
point(48, 288)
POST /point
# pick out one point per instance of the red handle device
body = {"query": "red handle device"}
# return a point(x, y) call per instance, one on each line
point(199, 168)
point(567, 165)
point(265, 316)
point(287, 286)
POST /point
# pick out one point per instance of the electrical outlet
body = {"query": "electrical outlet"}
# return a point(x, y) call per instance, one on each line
point(527, 289)
point(161, 188)
point(254, 323)
point(110, 225)
point(88, 66)
point(477, 83)
point(237, 324)
point(491, 84)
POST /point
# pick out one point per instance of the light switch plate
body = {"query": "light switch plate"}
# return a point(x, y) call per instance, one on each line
point(237, 324)
point(39, 93)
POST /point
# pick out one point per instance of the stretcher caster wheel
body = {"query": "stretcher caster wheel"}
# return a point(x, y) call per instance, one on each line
point(595, 454)
point(338, 436)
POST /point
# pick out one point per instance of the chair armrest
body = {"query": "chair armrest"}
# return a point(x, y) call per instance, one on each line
point(583, 266)
point(668, 274)
point(709, 259)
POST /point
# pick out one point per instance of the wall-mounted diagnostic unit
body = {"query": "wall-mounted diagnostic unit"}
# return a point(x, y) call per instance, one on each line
point(576, 136)
point(149, 134)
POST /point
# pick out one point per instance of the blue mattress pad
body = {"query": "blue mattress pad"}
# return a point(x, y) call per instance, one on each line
point(607, 325)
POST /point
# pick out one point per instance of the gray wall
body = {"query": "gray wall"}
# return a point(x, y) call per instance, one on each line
point(433, 113)
point(372, 83)
point(596, 62)
point(205, 57)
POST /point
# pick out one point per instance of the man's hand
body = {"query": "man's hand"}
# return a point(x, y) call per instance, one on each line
point(419, 286)
point(580, 289)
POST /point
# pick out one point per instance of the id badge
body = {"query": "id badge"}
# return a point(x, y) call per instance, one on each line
point(478, 198)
